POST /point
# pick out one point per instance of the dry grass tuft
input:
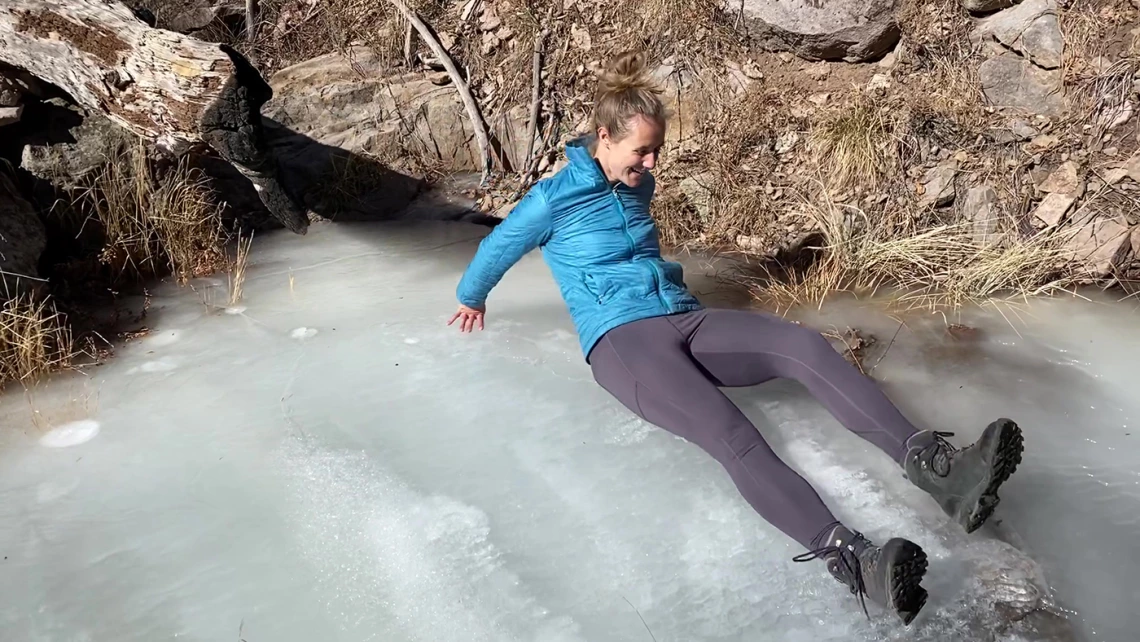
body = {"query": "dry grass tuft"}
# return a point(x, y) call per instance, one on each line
point(936, 44)
point(917, 267)
point(153, 222)
point(238, 268)
point(56, 412)
point(35, 340)
point(856, 146)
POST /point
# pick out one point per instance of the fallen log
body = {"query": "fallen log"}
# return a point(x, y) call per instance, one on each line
point(172, 89)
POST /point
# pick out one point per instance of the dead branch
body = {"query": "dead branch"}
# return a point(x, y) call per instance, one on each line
point(477, 124)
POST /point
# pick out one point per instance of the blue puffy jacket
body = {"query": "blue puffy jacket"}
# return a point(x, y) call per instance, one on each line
point(599, 241)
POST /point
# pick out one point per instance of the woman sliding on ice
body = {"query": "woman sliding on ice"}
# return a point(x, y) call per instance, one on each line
point(653, 347)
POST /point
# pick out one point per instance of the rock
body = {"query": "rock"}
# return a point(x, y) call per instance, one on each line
point(938, 184)
point(490, 22)
point(1011, 82)
point(359, 106)
point(68, 164)
point(1114, 118)
point(17, 83)
point(1022, 129)
point(698, 190)
point(189, 16)
point(10, 115)
point(1030, 28)
point(1101, 246)
point(1052, 210)
point(879, 83)
point(10, 93)
point(980, 207)
point(889, 61)
point(1132, 168)
point(985, 6)
point(1063, 180)
point(22, 241)
point(818, 71)
point(580, 38)
point(786, 142)
point(851, 30)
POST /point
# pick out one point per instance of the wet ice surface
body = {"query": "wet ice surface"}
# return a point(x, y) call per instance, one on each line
point(331, 461)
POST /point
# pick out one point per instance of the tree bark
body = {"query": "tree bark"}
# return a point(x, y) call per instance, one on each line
point(166, 87)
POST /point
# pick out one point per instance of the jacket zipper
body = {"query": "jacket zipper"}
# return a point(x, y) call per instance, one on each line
point(629, 238)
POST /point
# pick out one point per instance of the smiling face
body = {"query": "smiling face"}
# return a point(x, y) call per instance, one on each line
point(627, 159)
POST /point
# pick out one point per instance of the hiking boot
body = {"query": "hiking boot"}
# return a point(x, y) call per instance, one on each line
point(965, 482)
point(890, 576)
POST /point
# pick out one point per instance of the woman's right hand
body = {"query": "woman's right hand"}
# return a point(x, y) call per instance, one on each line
point(468, 318)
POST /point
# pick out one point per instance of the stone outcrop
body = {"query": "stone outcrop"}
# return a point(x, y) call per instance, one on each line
point(852, 30)
point(69, 164)
point(356, 104)
point(1024, 72)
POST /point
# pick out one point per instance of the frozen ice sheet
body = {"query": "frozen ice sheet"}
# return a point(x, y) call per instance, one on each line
point(328, 460)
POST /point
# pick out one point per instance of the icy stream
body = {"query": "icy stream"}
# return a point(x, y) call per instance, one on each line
point(329, 461)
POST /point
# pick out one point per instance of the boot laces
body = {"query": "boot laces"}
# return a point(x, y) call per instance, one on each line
point(845, 557)
point(940, 453)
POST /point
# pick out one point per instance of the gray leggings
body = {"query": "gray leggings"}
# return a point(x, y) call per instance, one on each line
point(668, 370)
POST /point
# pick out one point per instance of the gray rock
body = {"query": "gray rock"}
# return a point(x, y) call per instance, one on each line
point(10, 92)
point(1023, 130)
point(939, 184)
point(188, 16)
point(851, 30)
point(983, 6)
point(10, 115)
point(698, 190)
point(980, 207)
point(1018, 130)
point(1030, 28)
point(1052, 210)
point(1063, 180)
point(22, 241)
point(1101, 246)
point(359, 106)
point(69, 164)
point(1012, 82)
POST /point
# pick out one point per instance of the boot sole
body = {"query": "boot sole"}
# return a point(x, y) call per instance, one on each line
point(1004, 454)
point(906, 565)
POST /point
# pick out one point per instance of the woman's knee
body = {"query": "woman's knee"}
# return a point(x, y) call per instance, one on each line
point(810, 346)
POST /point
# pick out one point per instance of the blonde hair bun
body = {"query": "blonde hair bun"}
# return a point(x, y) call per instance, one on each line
point(626, 72)
point(626, 89)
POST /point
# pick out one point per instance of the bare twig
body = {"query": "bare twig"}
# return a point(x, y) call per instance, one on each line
point(408, 45)
point(654, 638)
point(535, 99)
point(477, 123)
point(251, 10)
point(883, 356)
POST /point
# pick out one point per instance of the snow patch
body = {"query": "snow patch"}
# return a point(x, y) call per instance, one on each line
point(71, 434)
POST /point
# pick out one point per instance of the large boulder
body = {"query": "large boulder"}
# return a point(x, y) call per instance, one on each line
point(852, 30)
point(357, 103)
point(84, 148)
point(22, 241)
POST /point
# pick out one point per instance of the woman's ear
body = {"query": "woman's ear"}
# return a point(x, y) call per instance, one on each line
point(604, 136)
